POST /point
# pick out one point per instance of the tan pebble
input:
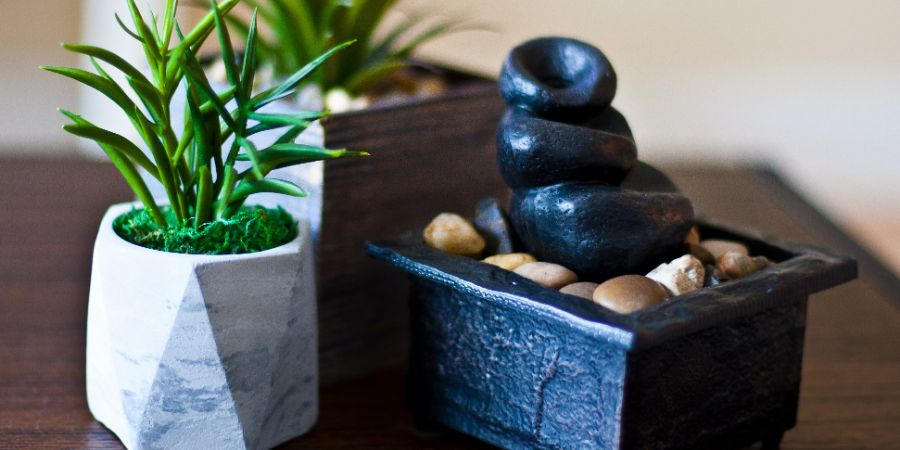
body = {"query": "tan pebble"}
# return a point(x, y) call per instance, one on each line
point(714, 276)
point(680, 276)
point(583, 289)
point(452, 233)
point(761, 262)
point(736, 265)
point(719, 247)
point(701, 253)
point(629, 293)
point(693, 236)
point(548, 275)
point(509, 261)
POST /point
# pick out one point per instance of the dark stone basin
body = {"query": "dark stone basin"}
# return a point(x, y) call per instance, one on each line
point(498, 357)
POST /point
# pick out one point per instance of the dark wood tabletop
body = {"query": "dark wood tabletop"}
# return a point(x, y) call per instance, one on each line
point(49, 211)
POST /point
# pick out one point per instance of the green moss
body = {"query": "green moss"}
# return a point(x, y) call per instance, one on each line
point(252, 229)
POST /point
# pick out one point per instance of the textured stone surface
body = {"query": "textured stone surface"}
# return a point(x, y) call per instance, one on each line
point(719, 247)
point(701, 253)
point(680, 276)
point(645, 178)
point(629, 293)
point(557, 77)
point(601, 231)
point(510, 261)
point(736, 264)
point(452, 233)
point(532, 151)
point(493, 225)
point(520, 366)
point(583, 289)
point(581, 199)
point(548, 275)
point(200, 351)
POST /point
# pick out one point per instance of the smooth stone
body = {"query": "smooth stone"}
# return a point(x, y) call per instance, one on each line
point(719, 247)
point(548, 275)
point(532, 151)
point(629, 293)
point(583, 289)
point(736, 264)
point(558, 78)
point(714, 276)
point(693, 236)
point(701, 253)
point(645, 178)
point(452, 233)
point(680, 276)
point(509, 261)
point(493, 225)
point(601, 231)
point(761, 262)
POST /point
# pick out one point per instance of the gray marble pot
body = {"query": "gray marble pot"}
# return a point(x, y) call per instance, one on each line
point(202, 351)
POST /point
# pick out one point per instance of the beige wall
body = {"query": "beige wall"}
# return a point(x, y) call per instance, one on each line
point(30, 33)
point(812, 86)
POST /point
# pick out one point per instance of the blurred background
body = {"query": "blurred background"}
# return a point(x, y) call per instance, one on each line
point(811, 88)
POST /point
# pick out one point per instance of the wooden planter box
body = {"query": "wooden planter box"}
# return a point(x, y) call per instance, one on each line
point(500, 358)
point(428, 155)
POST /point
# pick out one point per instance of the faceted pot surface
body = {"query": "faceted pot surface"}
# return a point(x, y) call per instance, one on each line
point(202, 351)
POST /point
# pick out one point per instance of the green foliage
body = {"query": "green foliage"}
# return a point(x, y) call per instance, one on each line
point(251, 229)
point(198, 174)
point(301, 29)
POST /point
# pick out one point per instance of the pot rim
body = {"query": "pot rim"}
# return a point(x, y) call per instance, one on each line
point(108, 236)
point(801, 270)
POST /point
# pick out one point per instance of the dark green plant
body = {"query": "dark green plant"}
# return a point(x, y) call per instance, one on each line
point(198, 174)
point(301, 29)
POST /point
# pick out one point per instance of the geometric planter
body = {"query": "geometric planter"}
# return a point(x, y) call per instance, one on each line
point(202, 351)
point(498, 357)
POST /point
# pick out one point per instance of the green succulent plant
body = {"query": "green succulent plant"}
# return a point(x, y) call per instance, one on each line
point(190, 159)
point(301, 29)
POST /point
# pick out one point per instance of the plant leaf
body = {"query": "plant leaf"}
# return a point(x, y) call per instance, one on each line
point(253, 156)
point(83, 128)
point(127, 30)
point(284, 155)
point(370, 76)
point(247, 188)
point(150, 97)
point(227, 53)
point(197, 78)
point(151, 47)
point(203, 28)
point(106, 87)
point(109, 58)
point(291, 82)
point(300, 119)
point(248, 70)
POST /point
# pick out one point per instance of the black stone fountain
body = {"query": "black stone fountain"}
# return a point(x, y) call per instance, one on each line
point(498, 357)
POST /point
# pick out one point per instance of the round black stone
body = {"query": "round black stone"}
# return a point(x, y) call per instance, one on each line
point(558, 78)
point(532, 151)
point(645, 178)
point(601, 231)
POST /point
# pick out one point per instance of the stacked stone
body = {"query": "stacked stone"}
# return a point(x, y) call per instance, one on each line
point(580, 197)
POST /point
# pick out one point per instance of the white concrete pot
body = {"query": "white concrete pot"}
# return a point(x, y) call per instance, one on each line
point(202, 351)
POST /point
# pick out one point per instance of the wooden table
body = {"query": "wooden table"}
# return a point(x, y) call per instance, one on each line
point(49, 211)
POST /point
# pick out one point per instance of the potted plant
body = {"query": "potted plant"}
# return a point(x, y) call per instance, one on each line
point(596, 337)
point(202, 315)
point(362, 330)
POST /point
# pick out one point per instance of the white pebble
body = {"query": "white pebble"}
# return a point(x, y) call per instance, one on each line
point(680, 276)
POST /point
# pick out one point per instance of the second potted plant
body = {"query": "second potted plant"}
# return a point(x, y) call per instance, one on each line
point(202, 315)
